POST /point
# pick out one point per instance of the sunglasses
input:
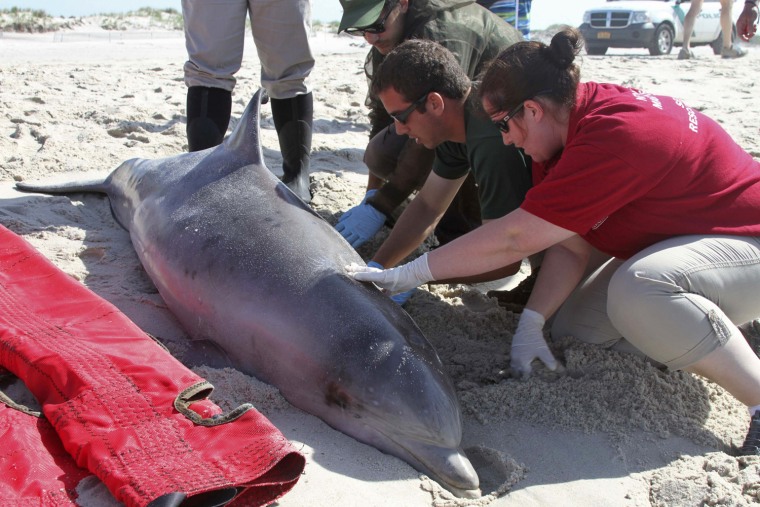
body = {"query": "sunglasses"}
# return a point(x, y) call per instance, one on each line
point(503, 124)
point(403, 116)
point(376, 27)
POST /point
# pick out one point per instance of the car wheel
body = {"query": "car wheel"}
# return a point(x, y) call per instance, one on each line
point(663, 41)
point(596, 50)
point(717, 44)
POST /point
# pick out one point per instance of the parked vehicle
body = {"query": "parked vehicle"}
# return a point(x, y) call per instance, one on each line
point(653, 24)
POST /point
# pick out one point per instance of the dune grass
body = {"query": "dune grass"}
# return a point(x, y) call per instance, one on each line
point(15, 19)
point(169, 19)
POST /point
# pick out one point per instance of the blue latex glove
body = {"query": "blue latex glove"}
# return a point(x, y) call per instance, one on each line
point(401, 297)
point(360, 223)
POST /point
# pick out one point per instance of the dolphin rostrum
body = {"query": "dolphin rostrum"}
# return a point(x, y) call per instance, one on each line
point(244, 263)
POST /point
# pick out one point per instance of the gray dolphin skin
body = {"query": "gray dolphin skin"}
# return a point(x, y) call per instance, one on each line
point(242, 262)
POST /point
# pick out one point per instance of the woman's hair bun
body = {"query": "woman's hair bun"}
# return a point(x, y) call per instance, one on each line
point(564, 47)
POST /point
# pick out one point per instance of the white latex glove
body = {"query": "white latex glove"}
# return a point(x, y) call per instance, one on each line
point(399, 279)
point(402, 297)
point(528, 344)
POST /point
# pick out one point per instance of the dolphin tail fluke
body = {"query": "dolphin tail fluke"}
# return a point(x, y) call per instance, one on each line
point(246, 138)
point(70, 187)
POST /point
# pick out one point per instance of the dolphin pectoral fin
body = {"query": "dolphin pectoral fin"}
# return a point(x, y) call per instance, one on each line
point(283, 192)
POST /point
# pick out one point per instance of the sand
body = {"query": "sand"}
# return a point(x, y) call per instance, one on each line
point(611, 430)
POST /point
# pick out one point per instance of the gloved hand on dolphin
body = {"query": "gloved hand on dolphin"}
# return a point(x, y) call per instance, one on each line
point(395, 280)
point(401, 297)
point(360, 224)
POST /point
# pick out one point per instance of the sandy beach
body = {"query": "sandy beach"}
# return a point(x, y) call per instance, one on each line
point(612, 430)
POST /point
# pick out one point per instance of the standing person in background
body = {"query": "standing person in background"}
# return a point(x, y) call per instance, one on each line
point(215, 37)
point(397, 164)
point(726, 26)
point(746, 25)
point(514, 12)
point(661, 189)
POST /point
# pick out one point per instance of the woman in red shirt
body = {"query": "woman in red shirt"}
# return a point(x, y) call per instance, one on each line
point(648, 212)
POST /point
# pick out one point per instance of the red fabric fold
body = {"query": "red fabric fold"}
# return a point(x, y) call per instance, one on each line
point(109, 390)
point(35, 469)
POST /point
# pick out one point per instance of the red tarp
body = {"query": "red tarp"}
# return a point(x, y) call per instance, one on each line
point(115, 397)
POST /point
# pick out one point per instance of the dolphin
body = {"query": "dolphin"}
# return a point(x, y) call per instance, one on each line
point(242, 262)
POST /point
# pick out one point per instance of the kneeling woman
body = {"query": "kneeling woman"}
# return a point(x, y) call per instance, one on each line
point(657, 187)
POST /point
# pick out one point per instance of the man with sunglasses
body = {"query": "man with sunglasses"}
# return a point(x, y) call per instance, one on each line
point(431, 100)
point(397, 164)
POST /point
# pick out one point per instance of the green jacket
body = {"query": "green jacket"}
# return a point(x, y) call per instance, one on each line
point(473, 33)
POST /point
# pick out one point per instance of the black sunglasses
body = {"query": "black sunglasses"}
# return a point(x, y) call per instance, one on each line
point(376, 27)
point(503, 124)
point(403, 116)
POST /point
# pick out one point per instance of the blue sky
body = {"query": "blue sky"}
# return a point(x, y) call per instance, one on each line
point(545, 12)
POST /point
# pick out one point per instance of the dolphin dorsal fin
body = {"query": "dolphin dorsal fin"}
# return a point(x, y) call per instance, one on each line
point(246, 137)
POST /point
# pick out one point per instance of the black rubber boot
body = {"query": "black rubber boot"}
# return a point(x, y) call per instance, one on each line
point(208, 115)
point(293, 121)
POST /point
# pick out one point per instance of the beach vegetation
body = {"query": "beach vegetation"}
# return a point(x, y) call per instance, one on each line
point(147, 18)
point(15, 19)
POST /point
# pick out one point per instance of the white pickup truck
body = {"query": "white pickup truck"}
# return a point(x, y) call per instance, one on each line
point(653, 24)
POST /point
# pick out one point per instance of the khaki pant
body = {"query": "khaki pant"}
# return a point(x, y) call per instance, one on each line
point(675, 301)
point(215, 36)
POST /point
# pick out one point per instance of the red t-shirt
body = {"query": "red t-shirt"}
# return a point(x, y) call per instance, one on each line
point(639, 168)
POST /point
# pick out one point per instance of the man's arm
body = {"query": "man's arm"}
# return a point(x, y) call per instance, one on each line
point(502, 241)
point(418, 219)
point(412, 169)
